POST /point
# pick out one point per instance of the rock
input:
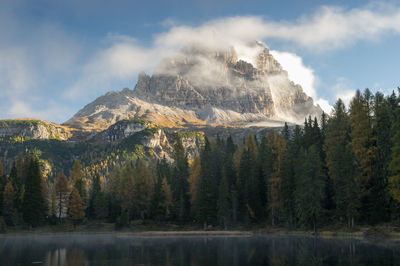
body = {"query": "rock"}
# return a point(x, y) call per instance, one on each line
point(201, 86)
point(33, 129)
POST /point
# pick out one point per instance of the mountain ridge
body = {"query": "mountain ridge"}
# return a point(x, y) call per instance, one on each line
point(200, 85)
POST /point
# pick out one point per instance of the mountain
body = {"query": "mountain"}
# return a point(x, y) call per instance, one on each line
point(201, 91)
point(204, 86)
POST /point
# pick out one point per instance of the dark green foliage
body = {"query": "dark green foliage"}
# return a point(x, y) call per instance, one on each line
point(33, 202)
point(98, 206)
point(180, 184)
point(379, 192)
point(207, 195)
point(310, 188)
point(224, 202)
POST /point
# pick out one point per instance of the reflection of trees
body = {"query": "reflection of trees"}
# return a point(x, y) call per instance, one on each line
point(76, 257)
point(196, 251)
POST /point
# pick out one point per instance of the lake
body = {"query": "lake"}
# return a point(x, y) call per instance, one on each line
point(110, 249)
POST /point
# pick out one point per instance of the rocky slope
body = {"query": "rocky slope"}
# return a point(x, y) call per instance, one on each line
point(32, 129)
point(201, 85)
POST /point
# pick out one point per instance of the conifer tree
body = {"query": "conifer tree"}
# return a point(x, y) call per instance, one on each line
point(288, 185)
point(3, 183)
point(249, 176)
point(379, 193)
point(394, 166)
point(207, 193)
point(75, 207)
point(277, 145)
point(310, 188)
point(224, 202)
point(363, 142)
point(33, 202)
point(167, 197)
point(9, 212)
point(180, 183)
point(62, 191)
point(194, 179)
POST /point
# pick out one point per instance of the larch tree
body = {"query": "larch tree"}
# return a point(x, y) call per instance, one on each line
point(277, 145)
point(363, 143)
point(75, 207)
point(194, 179)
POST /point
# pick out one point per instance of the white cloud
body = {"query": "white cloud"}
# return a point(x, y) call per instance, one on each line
point(344, 90)
point(325, 105)
point(53, 52)
point(327, 28)
point(297, 71)
point(302, 75)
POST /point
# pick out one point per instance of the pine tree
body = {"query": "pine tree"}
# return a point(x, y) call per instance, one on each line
point(394, 166)
point(288, 185)
point(180, 184)
point(93, 199)
point(363, 142)
point(167, 197)
point(33, 202)
point(224, 202)
point(207, 192)
point(310, 188)
point(75, 207)
point(62, 191)
point(3, 183)
point(9, 211)
point(341, 164)
point(379, 192)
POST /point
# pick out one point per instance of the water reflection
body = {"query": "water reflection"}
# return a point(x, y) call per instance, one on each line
point(130, 250)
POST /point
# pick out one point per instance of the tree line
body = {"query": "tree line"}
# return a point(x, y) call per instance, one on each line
point(340, 169)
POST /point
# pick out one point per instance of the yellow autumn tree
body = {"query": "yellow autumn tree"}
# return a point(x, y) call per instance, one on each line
point(75, 207)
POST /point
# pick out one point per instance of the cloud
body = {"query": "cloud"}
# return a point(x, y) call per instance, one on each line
point(37, 55)
point(302, 75)
point(297, 71)
point(344, 90)
point(328, 28)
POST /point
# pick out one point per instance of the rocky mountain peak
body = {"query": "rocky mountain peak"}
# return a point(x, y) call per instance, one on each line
point(205, 85)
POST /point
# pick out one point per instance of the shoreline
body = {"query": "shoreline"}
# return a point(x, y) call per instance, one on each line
point(340, 235)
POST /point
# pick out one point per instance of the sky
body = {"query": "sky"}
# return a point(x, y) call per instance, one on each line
point(57, 56)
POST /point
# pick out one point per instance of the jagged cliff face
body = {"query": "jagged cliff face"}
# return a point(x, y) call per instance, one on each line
point(152, 137)
point(32, 129)
point(202, 86)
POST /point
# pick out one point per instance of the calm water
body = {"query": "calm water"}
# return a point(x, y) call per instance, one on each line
point(130, 250)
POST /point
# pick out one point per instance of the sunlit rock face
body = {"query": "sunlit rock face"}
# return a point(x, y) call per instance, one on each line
point(203, 85)
point(32, 129)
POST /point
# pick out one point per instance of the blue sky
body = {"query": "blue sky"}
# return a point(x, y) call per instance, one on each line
point(56, 56)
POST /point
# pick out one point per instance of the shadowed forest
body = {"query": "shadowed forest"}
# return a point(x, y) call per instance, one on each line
point(342, 169)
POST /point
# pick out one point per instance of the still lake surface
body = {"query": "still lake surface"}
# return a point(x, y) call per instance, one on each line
point(108, 249)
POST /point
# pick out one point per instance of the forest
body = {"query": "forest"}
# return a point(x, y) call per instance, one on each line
point(338, 169)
